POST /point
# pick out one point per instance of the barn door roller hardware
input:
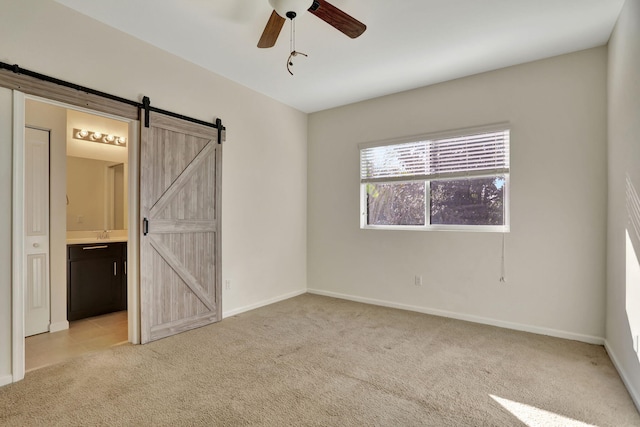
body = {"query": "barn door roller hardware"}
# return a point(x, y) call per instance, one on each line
point(146, 106)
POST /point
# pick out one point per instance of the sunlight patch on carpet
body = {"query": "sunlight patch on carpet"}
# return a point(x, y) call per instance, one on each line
point(536, 417)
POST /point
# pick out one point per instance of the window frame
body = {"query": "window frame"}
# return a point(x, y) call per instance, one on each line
point(505, 228)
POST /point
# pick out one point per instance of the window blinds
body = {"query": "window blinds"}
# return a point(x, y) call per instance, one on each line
point(475, 154)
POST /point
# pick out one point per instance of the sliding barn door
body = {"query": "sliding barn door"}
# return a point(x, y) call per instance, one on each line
point(180, 164)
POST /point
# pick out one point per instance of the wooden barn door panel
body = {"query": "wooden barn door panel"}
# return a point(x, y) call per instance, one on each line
point(180, 244)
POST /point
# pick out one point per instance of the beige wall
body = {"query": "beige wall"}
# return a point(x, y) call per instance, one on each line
point(623, 261)
point(556, 248)
point(264, 160)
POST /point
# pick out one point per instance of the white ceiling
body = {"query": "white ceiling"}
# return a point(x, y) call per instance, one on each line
point(407, 44)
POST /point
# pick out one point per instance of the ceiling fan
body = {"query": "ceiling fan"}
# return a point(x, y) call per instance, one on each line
point(320, 8)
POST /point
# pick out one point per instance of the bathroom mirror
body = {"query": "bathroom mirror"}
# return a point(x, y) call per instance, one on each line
point(96, 195)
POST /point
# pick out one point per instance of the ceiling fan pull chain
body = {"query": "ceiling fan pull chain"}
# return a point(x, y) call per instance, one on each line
point(290, 62)
point(292, 35)
point(292, 46)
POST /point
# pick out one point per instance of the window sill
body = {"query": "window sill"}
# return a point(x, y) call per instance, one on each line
point(462, 228)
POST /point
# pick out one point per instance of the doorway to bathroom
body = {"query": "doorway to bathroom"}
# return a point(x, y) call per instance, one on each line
point(85, 286)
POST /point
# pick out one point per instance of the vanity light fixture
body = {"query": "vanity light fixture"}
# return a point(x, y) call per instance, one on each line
point(87, 135)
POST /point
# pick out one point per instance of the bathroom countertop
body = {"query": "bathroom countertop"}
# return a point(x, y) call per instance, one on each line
point(94, 240)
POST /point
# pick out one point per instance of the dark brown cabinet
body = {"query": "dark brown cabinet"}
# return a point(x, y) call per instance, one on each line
point(96, 279)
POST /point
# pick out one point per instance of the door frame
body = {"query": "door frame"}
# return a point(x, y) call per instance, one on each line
point(18, 261)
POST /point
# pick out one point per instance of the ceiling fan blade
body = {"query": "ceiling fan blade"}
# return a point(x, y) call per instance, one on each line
point(337, 18)
point(271, 31)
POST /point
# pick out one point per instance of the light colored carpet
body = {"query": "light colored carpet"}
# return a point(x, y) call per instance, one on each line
point(314, 360)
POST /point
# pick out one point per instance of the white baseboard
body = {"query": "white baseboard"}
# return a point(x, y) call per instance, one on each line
point(244, 309)
point(635, 396)
point(6, 379)
point(58, 326)
point(466, 317)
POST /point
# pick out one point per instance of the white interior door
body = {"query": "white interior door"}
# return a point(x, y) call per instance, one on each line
point(36, 229)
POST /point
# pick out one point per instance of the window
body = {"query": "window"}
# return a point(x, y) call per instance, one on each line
point(453, 181)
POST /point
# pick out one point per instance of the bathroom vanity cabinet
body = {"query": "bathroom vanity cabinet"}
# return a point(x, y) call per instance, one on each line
point(96, 279)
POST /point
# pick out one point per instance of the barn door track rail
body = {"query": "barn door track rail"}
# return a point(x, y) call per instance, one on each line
point(144, 105)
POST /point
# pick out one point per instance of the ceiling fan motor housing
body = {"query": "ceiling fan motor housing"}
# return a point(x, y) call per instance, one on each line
point(290, 8)
point(322, 9)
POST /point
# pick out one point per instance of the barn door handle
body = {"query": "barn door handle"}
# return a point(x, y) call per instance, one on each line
point(145, 226)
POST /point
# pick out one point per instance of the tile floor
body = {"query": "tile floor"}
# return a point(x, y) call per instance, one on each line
point(83, 336)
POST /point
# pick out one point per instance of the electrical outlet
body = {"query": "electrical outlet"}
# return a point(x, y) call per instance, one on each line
point(227, 285)
point(417, 280)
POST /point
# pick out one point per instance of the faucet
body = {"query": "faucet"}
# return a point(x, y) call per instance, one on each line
point(104, 234)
